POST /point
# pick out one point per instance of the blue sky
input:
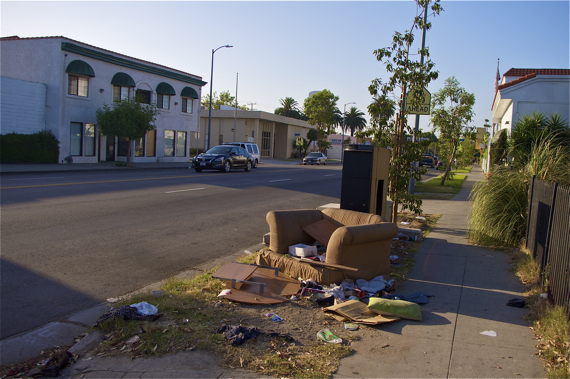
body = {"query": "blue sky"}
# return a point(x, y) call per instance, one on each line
point(291, 48)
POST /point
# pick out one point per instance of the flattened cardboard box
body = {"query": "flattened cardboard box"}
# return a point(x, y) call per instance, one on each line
point(357, 312)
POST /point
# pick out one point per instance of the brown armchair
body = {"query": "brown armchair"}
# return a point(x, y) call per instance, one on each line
point(362, 241)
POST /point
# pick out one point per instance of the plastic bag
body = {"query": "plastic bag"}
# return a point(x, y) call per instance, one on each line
point(145, 308)
point(327, 336)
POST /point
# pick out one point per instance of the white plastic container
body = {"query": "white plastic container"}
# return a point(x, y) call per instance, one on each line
point(302, 251)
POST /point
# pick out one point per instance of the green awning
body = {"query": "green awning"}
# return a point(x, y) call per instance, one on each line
point(165, 89)
point(80, 68)
point(189, 92)
point(122, 79)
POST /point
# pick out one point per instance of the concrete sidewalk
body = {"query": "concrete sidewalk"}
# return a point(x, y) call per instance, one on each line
point(41, 168)
point(470, 285)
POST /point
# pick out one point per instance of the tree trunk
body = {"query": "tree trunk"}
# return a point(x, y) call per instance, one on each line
point(448, 168)
point(128, 152)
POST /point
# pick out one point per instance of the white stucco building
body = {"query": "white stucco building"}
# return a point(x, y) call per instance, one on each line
point(57, 83)
point(523, 91)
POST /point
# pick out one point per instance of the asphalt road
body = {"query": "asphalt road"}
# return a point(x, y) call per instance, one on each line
point(72, 240)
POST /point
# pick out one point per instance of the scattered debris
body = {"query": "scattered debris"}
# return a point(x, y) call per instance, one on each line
point(489, 333)
point(327, 336)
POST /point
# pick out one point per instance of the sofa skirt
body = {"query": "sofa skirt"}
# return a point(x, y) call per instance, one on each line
point(296, 269)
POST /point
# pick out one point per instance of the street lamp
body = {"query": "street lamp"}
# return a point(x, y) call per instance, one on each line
point(207, 142)
point(342, 143)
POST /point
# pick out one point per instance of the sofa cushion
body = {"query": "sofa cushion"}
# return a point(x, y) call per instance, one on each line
point(398, 308)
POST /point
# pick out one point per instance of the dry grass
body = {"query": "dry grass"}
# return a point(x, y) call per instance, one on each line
point(192, 312)
point(550, 322)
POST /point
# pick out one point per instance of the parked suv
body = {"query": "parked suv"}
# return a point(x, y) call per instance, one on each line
point(250, 148)
point(428, 160)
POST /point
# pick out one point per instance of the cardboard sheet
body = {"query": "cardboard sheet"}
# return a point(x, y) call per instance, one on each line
point(356, 311)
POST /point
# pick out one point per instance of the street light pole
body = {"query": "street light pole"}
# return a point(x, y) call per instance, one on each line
point(207, 142)
point(343, 126)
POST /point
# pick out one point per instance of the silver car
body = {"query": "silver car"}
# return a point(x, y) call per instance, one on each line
point(315, 158)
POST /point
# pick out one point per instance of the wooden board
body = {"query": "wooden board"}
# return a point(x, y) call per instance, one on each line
point(321, 230)
point(332, 265)
point(233, 270)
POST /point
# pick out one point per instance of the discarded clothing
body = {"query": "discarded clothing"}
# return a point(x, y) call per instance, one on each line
point(127, 313)
point(518, 303)
point(239, 334)
point(418, 297)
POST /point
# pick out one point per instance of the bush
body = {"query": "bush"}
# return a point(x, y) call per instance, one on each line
point(40, 147)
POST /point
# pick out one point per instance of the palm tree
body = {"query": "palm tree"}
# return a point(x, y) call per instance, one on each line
point(289, 108)
point(381, 108)
point(354, 120)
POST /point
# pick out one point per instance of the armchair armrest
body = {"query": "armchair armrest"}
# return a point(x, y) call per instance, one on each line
point(359, 234)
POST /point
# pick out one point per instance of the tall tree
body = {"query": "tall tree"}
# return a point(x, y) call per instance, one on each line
point(289, 108)
point(320, 111)
point(128, 119)
point(225, 98)
point(452, 109)
point(354, 120)
point(406, 76)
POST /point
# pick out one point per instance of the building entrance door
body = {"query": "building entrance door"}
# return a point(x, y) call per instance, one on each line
point(110, 155)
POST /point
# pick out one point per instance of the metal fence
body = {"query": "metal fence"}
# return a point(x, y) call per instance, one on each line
point(548, 237)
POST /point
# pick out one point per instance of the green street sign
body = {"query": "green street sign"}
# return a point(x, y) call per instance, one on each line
point(423, 108)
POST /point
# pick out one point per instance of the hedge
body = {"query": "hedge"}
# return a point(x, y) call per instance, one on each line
point(40, 147)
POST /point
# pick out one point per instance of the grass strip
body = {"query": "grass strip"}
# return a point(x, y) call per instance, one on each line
point(450, 185)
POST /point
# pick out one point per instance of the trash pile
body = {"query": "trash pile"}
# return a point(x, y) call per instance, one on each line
point(138, 311)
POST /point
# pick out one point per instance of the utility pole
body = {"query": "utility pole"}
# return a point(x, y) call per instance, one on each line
point(235, 109)
point(412, 183)
point(252, 104)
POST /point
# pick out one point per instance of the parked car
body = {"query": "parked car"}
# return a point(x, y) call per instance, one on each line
point(223, 158)
point(315, 157)
point(438, 163)
point(251, 148)
point(427, 160)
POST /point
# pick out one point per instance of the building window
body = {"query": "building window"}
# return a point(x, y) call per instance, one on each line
point(163, 101)
point(90, 140)
point(169, 143)
point(187, 105)
point(77, 85)
point(143, 96)
point(76, 139)
point(120, 93)
point(139, 147)
point(151, 143)
point(181, 144)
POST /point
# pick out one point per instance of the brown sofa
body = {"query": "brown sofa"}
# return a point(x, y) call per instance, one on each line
point(361, 241)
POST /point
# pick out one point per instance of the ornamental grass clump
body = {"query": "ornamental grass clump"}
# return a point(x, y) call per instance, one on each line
point(500, 203)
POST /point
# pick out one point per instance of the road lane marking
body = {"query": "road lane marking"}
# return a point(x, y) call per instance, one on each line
point(278, 180)
point(53, 177)
point(330, 175)
point(201, 175)
point(191, 189)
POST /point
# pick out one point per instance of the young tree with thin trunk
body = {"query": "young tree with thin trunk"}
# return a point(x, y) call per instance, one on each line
point(406, 76)
point(452, 109)
point(128, 119)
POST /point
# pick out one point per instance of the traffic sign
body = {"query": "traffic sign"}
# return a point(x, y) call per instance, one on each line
point(424, 106)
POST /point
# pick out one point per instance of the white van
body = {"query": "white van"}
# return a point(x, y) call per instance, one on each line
point(250, 148)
